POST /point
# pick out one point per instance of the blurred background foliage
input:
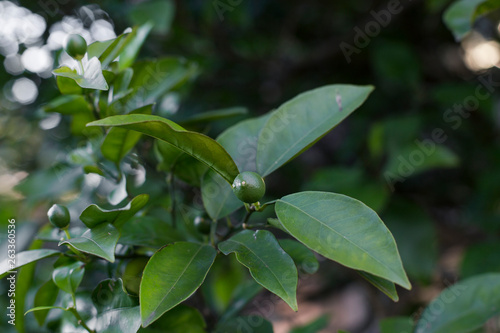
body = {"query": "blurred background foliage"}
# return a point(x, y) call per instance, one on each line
point(445, 210)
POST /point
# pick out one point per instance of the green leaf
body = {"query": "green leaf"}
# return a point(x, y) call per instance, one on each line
point(68, 276)
point(315, 326)
point(214, 115)
point(304, 259)
point(247, 324)
point(149, 232)
point(119, 142)
point(117, 312)
point(344, 230)
point(92, 77)
point(396, 325)
point(383, 285)
point(460, 16)
point(463, 307)
point(194, 144)
point(153, 78)
point(173, 274)
point(240, 141)
point(302, 121)
point(44, 308)
point(99, 241)
point(269, 265)
point(131, 50)
point(45, 296)
point(93, 215)
point(68, 86)
point(181, 319)
point(68, 104)
point(24, 258)
point(159, 13)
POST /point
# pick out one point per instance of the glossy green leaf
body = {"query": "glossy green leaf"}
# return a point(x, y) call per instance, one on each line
point(173, 274)
point(115, 48)
point(194, 144)
point(304, 259)
point(148, 231)
point(314, 327)
point(269, 265)
point(463, 307)
point(68, 104)
point(93, 215)
point(181, 319)
point(96, 49)
point(45, 296)
point(68, 276)
point(117, 312)
point(92, 77)
point(383, 285)
point(24, 258)
point(460, 15)
point(119, 142)
point(131, 50)
point(247, 324)
point(240, 141)
point(302, 121)
point(99, 241)
point(342, 229)
point(396, 325)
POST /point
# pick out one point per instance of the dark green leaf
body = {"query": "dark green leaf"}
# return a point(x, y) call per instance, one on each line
point(118, 142)
point(269, 265)
point(463, 307)
point(23, 258)
point(194, 144)
point(117, 312)
point(302, 121)
point(304, 259)
point(148, 231)
point(68, 104)
point(245, 292)
point(68, 276)
point(173, 274)
point(181, 319)
point(344, 230)
point(93, 215)
point(99, 241)
point(383, 285)
point(45, 296)
point(68, 86)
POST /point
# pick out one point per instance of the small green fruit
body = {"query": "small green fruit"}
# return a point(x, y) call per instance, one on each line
point(249, 187)
point(59, 216)
point(133, 274)
point(202, 225)
point(76, 46)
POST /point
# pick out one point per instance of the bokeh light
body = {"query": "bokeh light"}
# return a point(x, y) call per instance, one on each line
point(24, 91)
